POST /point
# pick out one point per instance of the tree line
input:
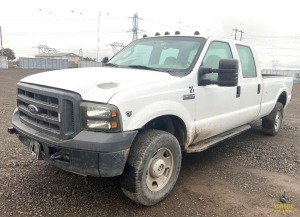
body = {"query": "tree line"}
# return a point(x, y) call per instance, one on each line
point(9, 53)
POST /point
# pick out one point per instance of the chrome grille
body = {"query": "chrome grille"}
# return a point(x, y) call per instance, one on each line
point(55, 110)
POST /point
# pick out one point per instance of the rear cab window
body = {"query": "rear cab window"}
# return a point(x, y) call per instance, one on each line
point(247, 61)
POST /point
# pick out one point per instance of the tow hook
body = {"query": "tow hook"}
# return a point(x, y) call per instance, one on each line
point(61, 155)
point(11, 130)
point(58, 155)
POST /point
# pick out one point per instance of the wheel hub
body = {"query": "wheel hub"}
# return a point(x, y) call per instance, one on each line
point(157, 168)
point(277, 121)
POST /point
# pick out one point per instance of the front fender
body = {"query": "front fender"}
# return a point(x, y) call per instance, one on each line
point(157, 109)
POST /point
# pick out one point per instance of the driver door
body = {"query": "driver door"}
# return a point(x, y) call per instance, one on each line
point(217, 107)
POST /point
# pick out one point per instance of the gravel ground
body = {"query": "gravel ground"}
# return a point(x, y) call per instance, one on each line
point(243, 176)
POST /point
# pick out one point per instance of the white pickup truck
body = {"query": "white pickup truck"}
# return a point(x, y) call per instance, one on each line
point(157, 97)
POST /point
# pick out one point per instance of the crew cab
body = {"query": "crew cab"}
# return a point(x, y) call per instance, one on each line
point(158, 97)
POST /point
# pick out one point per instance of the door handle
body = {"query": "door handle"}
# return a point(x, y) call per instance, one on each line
point(238, 91)
point(258, 88)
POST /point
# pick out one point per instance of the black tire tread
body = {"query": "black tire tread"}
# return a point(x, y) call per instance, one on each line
point(131, 180)
point(268, 122)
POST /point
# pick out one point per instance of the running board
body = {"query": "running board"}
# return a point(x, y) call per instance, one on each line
point(205, 144)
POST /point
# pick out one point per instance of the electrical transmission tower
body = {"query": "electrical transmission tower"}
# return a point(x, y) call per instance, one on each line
point(236, 31)
point(45, 49)
point(274, 64)
point(115, 46)
point(135, 26)
point(80, 53)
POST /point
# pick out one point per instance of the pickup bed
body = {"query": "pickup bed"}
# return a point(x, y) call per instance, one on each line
point(157, 97)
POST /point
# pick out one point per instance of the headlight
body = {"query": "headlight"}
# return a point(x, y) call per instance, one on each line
point(100, 117)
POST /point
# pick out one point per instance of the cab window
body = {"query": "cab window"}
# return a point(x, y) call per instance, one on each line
point(247, 61)
point(216, 51)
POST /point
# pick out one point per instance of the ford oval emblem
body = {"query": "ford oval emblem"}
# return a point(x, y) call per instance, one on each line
point(33, 109)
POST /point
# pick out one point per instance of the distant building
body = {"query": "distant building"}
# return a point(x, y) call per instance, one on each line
point(3, 62)
point(71, 57)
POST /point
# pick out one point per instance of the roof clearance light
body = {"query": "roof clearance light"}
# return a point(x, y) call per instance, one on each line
point(167, 33)
point(177, 33)
point(197, 33)
point(157, 34)
point(145, 36)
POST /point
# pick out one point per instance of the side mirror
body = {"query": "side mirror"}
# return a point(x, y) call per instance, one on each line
point(227, 74)
point(201, 72)
point(104, 60)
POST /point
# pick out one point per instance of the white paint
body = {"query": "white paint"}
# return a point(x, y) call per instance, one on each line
point(86, 81)
point(150, 94)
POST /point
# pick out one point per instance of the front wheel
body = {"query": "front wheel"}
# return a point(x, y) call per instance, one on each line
point(271, 124)
point(152, 167)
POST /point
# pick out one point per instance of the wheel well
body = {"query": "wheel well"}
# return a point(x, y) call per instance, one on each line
point(171, 124)
point(282, 99)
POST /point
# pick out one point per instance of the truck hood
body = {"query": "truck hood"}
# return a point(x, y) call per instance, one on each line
point(97, 84)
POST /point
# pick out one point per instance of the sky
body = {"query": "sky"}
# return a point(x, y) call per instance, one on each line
point(68, 26)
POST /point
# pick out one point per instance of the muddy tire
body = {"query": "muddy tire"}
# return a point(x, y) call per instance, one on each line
point(152, 167)
point(271, 124)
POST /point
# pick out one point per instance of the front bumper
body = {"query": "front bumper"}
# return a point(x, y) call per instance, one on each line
point(88, 153)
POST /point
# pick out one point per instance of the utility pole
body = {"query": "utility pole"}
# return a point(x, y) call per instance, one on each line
point(1, 41)
point(135, 26)
point(98, 35)
point(235, 33)
point(241, 35)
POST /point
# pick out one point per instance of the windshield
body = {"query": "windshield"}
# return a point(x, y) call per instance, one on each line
point(168, 54)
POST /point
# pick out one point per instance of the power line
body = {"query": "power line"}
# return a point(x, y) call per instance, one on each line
point(65, 33)
point(274, 37)
point(166, 25)
point(59, 19)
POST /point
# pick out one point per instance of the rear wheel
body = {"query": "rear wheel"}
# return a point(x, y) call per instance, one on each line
point(152, 167)
point(271, 124)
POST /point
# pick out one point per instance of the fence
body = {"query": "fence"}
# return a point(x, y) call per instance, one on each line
point(290, 73)
point(3, 62)
point(84, 64)
point(40, 63)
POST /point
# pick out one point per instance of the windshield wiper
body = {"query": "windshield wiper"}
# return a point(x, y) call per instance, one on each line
point(169, 71)
point(143, 67)
point(111, 64)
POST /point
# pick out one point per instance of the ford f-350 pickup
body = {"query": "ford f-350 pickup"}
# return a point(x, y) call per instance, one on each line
point(158, 97)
